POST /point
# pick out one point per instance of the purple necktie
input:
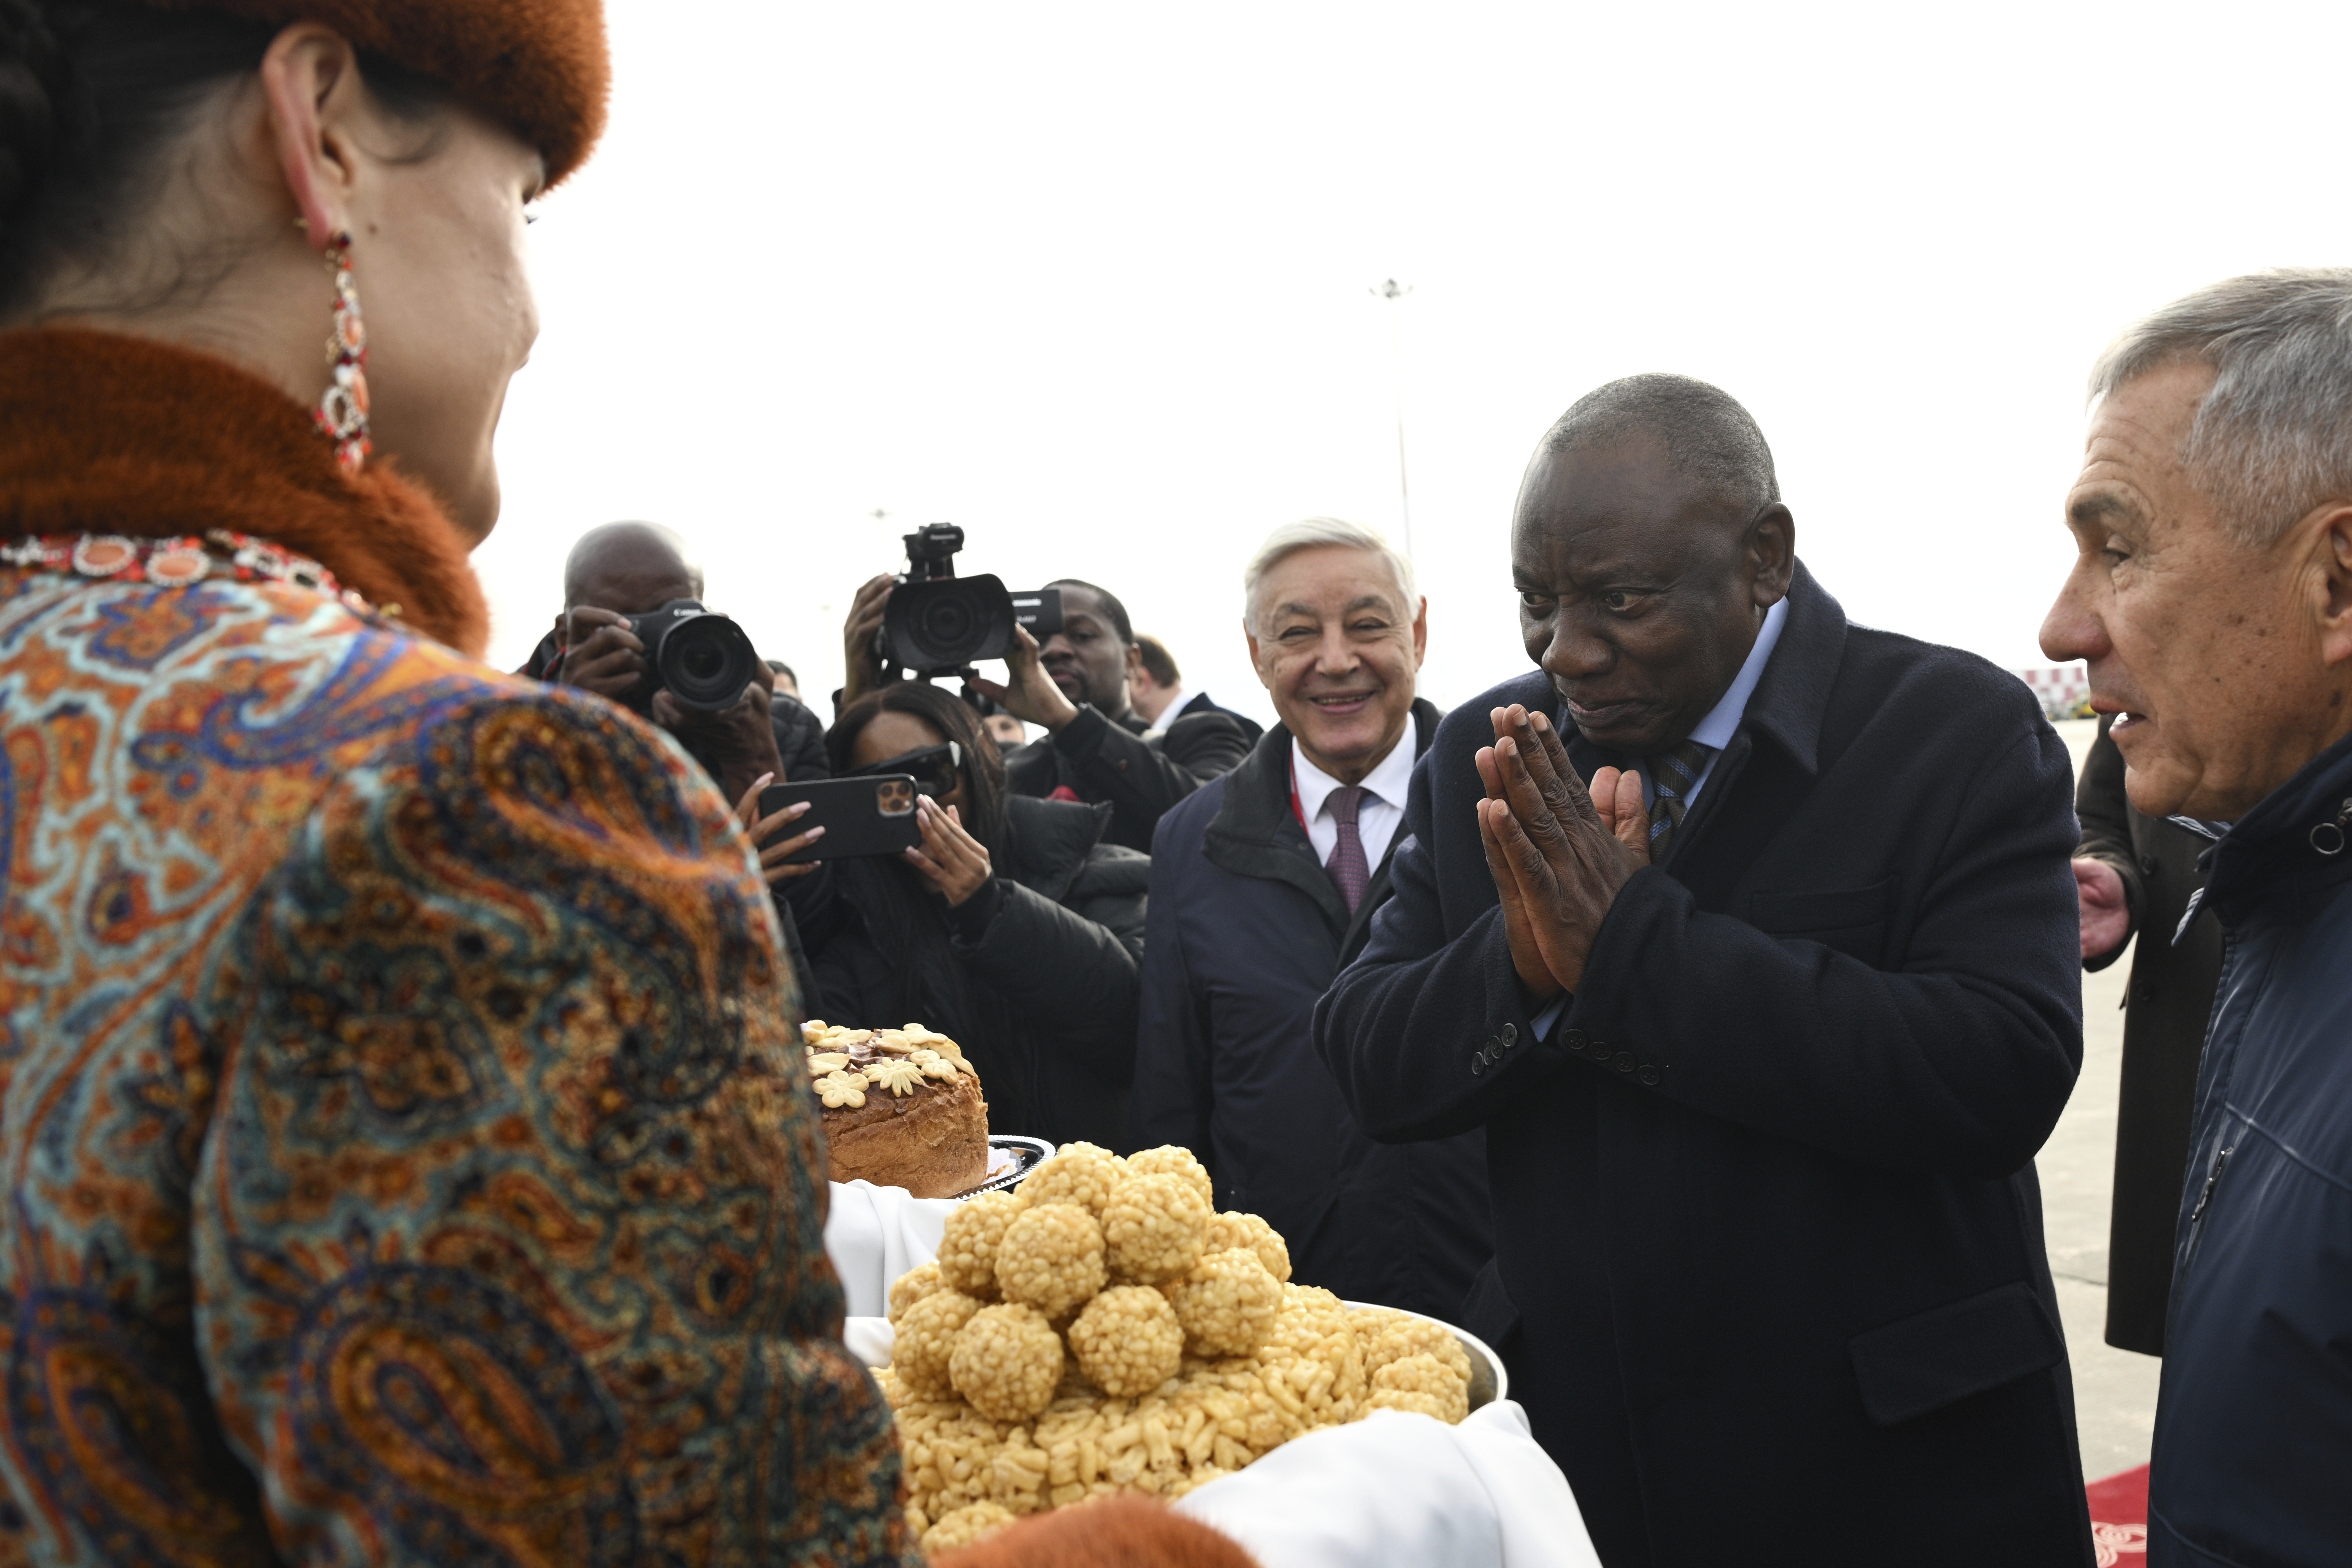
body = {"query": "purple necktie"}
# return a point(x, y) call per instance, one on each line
point(1346, 867)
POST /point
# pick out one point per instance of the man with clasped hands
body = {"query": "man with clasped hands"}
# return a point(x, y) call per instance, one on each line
point(1749, 936)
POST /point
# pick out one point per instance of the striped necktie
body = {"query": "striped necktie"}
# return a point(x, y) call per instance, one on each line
point(1673, 776)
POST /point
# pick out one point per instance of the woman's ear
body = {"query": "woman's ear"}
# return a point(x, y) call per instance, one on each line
point(310, 80)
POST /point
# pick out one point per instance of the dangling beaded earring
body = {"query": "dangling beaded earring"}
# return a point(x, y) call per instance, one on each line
point(344, 411)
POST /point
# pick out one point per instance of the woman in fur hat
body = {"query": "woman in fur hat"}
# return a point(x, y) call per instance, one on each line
point(406, 1156)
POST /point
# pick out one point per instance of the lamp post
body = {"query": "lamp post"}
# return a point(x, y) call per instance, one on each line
point(1395, 292)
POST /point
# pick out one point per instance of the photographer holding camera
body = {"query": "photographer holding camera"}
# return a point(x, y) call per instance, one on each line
point(626, 580)
point(634, 630)
point(1013, 928)
point(1071, 678)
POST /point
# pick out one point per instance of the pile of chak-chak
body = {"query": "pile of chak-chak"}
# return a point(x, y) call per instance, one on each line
point(1101, 1329)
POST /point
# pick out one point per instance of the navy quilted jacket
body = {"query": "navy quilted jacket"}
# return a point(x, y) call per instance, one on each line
point(2252, 1465)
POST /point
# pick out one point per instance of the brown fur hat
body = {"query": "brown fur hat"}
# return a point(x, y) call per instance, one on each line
point(541, 66)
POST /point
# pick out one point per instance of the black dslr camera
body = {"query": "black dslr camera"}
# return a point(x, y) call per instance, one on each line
point(703, 660)
point(938, 623)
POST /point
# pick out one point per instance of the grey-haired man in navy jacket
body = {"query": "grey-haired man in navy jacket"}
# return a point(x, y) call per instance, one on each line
point(2212, 597)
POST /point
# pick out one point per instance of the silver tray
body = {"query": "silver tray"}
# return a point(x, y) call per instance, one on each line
point(1009, 1159)
point(1488, 1381)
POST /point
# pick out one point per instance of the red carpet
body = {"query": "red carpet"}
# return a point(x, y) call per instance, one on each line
point(2120, 1518)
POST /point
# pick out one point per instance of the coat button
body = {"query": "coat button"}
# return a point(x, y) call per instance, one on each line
point(1510, 1035)
point(1649, 1075)
point(2148, 865)
point(1477, 1065)
point(1624, 1061)
point(1573, 1039)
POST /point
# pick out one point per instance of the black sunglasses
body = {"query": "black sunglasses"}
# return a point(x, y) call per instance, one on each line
point(936, 770)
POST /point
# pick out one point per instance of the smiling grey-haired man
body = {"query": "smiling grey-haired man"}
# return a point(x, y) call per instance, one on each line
point(2211, 596)
point(1264, 887)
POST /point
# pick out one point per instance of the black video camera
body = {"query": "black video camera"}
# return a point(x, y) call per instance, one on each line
point(702, 659)
point(938, 623)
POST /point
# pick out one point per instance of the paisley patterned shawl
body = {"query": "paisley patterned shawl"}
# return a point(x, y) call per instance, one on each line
point(406, 1155)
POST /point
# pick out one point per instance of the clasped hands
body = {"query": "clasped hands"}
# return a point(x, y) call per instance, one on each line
point(1558, 853)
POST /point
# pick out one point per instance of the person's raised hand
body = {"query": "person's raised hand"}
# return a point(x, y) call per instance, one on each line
point(767, 833)
point(950, 859)
point(1029, 693)
point(1567, 862)
point(864, 670)
point(602, 653)
point(1526, 959)
point(2107, 917)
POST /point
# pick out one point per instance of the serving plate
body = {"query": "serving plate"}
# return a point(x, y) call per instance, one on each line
point(1488, 1380)
point(872, 1338)
point(1009, 1159)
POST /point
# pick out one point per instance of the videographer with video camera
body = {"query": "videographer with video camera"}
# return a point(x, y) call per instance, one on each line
point(1072, 679)
point(1014, 928)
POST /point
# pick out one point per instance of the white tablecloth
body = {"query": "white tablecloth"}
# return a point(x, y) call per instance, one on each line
point(1395, 1488)
point(1389, 1488)
point(874, 1234)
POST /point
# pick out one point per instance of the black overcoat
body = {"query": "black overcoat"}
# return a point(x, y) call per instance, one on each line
point(2173, 974)
point(1765, 1199)
point(1205, 703)
point(1107, 763)
point(1245, 932)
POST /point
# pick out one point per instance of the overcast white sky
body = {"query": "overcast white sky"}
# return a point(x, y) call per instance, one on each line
point(1091, 280)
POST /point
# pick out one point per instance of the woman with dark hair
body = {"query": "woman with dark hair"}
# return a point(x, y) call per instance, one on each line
point(406, 1151)
point(402, 1131)
point(1014, 929)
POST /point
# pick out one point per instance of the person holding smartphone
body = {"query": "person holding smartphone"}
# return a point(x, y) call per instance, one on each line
point(1013, 928)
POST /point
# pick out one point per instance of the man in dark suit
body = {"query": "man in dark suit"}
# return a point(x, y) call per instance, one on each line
point(2138, 874)
point(1094, 750)
point(1157, 688)
point(1262, 888)
point(1764, 1030)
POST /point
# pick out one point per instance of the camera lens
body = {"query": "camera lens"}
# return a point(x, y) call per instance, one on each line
point(941, 626)
point(947, 622)
point(706, 661)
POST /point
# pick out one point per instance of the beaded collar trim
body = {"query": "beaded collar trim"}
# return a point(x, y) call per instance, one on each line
point(179, 562)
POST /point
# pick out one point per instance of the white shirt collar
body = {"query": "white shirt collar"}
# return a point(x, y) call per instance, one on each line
point(1390, 779)
point(1170, 714)
point(1722, 721)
